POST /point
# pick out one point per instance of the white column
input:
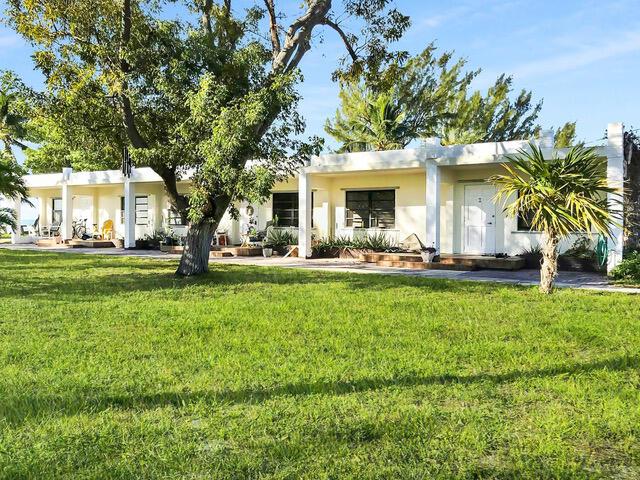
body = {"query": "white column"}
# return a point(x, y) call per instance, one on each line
point(66, 229)
point(615, 178)
point(432, 238)
point(16, 233)
point(305, 211)
point(129, 214)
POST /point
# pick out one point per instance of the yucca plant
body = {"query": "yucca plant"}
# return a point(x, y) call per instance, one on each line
point(560, 196)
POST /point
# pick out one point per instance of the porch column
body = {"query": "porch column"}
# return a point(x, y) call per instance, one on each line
point(129, 213)
point(432, 238)
point(66, 229)
point(16, 232)
point(305, 211)
point(615, 178)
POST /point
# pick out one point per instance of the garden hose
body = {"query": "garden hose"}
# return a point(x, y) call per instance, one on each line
point(602, 250)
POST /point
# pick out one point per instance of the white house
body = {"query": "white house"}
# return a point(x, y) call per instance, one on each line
point(438, 193)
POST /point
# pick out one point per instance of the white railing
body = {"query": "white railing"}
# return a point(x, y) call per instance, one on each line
point(354, 233)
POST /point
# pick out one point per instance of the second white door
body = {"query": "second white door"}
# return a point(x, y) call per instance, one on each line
point(479, 219)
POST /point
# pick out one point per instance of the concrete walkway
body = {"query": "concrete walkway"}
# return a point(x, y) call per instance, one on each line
point(578, 280)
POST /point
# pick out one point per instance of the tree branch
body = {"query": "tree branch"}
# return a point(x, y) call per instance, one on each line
point(273, 27)
point(299, 34)
point(345, 38)
point(128, 118)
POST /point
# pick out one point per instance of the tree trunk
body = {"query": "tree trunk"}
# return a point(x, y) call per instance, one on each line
point(195, 256)
point(549, 268)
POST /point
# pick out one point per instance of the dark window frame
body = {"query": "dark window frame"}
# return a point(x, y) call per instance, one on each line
point(523, 224)
point(54, 211)
point(375, 208)
point(142, 214)
point(286, 206)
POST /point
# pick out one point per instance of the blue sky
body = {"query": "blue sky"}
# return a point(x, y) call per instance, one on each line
point(581, 56)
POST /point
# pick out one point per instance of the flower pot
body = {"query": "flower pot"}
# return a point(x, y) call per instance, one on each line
point(267, 252)
point(427, 257)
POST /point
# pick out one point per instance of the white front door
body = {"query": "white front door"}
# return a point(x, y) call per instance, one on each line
point(479, 219)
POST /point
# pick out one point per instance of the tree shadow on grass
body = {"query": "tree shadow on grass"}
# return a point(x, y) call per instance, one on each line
point(16, 409)
point(57, 275)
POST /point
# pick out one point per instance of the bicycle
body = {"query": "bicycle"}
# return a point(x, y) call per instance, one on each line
point(79, 228)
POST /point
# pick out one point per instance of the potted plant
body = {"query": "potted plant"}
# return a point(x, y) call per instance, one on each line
point(267, 249)
point(428, 254)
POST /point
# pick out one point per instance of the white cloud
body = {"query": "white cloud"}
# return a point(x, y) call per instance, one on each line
point(625, 44)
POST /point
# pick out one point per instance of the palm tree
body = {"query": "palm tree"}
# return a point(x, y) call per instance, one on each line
point(560, 196)
point(11, 186)
point(12, 128)
point(371, 121)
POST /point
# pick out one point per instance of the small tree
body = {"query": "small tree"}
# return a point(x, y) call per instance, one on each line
point(560, 196)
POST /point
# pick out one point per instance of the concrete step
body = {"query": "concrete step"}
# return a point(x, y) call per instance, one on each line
point(484, 262)
point(50, 242)
point(390, 257)
point(220, 254)
point(77, 243)
point(424, 266)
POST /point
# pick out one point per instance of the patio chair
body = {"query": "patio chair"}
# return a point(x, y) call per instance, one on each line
point(107, 230)
point(54, 229)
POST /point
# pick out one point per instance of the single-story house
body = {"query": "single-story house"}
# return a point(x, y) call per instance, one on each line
point(437, 192)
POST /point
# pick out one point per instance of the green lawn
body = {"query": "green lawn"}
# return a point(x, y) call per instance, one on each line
point(114, 368)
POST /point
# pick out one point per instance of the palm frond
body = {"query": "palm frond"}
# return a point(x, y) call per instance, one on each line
point(8, 218)
point(560, 196)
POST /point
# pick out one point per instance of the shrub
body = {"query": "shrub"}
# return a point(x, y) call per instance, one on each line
point(378, 242)
point(581, 248)
point(277, 237)
point(628, 269)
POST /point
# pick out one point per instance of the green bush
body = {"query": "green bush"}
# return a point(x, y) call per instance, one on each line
point(378, 242)
point(277, 237)
point(628, 269)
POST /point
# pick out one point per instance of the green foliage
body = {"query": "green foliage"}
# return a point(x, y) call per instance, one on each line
point(12, 124)
point(113, 367)
point(280, 237)
point(628, 270)
point(561, 195)
point(401, 100)
point(11, 182)
point(582, 248)
point(7, 219)
point(493, 117)
point(377, 242)
point(565, 137)
point(377, 122)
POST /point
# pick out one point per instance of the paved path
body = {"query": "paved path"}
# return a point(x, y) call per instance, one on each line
point(581, 280)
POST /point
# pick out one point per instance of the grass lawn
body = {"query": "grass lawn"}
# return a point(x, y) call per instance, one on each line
point(113, 368)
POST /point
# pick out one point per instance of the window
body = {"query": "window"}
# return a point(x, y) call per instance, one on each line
point(371, 208)
point(285, 207)
point(56, 211)
point(142, 210)
point(174, 217)
point(121, 209)
point(524, 222)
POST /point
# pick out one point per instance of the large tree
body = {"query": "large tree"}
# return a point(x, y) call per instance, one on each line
point(205, 94)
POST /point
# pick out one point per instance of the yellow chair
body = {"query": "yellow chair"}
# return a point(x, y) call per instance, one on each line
point(107, 230)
